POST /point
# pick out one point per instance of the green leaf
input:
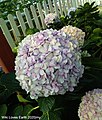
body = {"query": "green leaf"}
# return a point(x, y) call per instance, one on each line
point(51, 115)
point(14, 50)
point(73, 96)
point(44, 117)
point(54, 115)
point(46, 103)
point(2, 89)
point(30, 31)
point(3, 110)
point(21, 99)
point(97, 30)
point(18, 110)
point(92, 62)
point(11, 85)
point(26, 110)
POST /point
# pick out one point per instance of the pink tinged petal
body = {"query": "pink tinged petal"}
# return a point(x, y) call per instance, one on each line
point(42, 81)
point(71, 89)
point(28, 74)
point(36, 52)
point(59, 58)
point(21, 77)
point(62, 91)
point(60, 80)
point(64, 61)
point(66, 71)
point(39, 87)
point(29, 59)
point(45, 65)
point(56, 89)
point(52, 76)
point(40, 36)
point(48, 87)
point(46, 94)
point(53, 42)
point(38, 76)
point(49, 56)
point(52, 63)
point(29, 83)
point(51, 69)
point(57, 67)
point(66, 86)
point(25, 55)
point(38, 65)
point(34, 76)
point(58, 44)
point(57, 52)
point(42, 49)
point(55, 47)
point(50, 48)
point(42, 72)
point(45, 46)
point(69, 55)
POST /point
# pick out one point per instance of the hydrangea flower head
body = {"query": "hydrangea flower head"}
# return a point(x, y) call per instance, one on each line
point(91, 106)
point(50, 18)
point(48, 63)
point(74, 32)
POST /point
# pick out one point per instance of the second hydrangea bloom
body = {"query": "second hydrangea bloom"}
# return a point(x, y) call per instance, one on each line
point(50, 18)
point(91, 106)
point(74, 32)
point(48, 63)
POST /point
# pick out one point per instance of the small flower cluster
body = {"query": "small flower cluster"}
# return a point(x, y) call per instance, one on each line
point(74, 32)
point(91, 106)
point(48, 63)
point(50, 19)
point(70, 10)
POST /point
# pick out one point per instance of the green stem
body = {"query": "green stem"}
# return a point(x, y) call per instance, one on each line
point(96, 52)
point(32, 110)
point(58, 109)
point(48, 115)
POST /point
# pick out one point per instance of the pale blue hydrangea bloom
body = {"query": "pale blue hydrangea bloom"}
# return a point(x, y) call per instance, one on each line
point(71, 9)
point(51, 18)
point(91, 106)
point(48, 63)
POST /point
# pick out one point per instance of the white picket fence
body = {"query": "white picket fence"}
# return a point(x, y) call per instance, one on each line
point(13, 28)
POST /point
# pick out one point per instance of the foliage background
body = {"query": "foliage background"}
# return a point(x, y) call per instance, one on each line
point(11, 6)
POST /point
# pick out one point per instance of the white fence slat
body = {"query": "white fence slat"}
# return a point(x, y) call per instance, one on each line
point(60, 7)
point(56, 7)
point(98, 2)
point(7, 33)
point(77, 3)
point(33, 10)
point(28, 18)
point(50, 6)
point(45, 7)
point(64, 7)
point(68, 4)
point(80, 2)
point(21, 21)
point(71, 3)
point(74, 3)
point(89, 1)
point(14, 27)
point(41, 14)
